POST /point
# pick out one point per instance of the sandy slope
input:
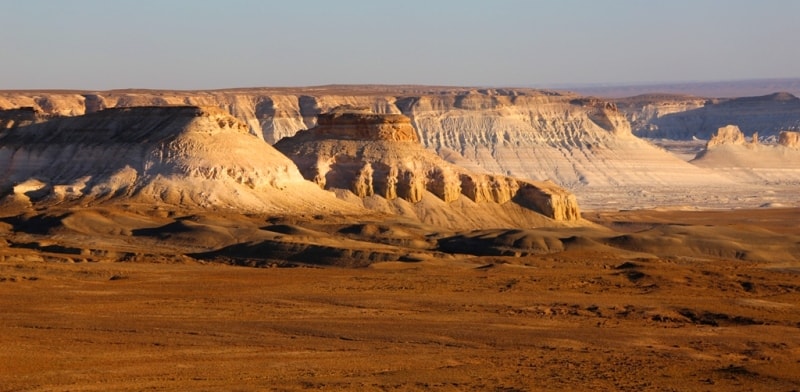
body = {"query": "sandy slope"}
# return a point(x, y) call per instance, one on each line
point(759, 164)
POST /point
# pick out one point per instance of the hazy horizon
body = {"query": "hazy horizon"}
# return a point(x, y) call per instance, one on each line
point(196, 45)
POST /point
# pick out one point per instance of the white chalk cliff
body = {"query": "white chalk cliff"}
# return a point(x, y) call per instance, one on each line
point(181, 156)
point(582, 144)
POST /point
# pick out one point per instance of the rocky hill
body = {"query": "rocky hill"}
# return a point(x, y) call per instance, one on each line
point(180, 156)
point(379, 159)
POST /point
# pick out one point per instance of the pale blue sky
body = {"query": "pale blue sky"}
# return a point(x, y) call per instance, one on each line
point(202, 44)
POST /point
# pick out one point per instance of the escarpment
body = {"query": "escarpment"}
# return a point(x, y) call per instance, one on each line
point(686, 117)
point(183, 156)
point(583, 144)
point(378, 156)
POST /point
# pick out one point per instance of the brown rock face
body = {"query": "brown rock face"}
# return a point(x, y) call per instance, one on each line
point(789, 139)
point(549, 199)
point(729, 134)
point(371, 154)
point(350, 125)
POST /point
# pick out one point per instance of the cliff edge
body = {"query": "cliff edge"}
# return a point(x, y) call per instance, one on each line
point(378, 158)
point(183, 156)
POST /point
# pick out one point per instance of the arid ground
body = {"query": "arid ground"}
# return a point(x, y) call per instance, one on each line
point(652, 312)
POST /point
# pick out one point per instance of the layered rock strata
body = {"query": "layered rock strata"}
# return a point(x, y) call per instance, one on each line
point(182, 156)
point(583, 144)
point(378, 155)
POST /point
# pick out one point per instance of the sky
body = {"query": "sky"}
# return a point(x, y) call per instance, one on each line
point(203, 44)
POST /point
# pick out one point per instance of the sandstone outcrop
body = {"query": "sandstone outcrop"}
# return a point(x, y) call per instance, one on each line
point(378, 155)
point(752, 162)
point(359, 124)
point(182, 156)
point(729, 134)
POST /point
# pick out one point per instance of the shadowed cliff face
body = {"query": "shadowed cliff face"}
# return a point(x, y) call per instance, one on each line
point(684, 117)
point(377, 157)
point(20, 117)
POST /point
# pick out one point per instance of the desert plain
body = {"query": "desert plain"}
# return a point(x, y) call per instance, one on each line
point(414, 239)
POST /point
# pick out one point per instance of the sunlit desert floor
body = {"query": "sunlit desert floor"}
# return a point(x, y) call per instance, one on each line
point(583, 319)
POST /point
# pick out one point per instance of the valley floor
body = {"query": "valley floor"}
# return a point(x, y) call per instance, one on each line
point(575, 320)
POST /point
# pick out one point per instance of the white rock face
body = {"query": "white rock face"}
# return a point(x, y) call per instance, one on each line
point(187, 156)
point(378, 157)
point(582, 144)
point(575, 143)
